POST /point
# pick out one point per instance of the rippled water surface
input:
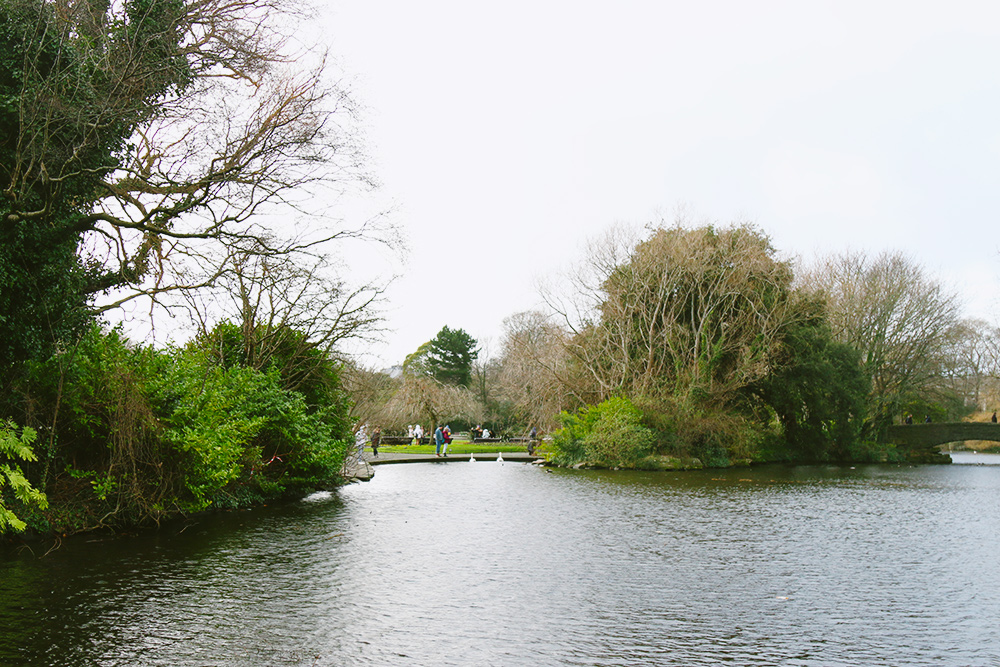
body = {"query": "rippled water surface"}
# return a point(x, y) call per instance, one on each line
point(488, 564)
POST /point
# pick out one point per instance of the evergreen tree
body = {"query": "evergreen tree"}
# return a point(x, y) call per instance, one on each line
point(450, 356)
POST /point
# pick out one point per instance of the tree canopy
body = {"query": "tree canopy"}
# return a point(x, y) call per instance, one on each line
point(450, 356)
point(140, 142)
point(901, 321)
point(695, 313)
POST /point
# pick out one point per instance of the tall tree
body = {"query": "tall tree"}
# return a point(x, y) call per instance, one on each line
point(693, 313)
point(450, 356)
point(536, 380)
point(974, 361)
point(139, 143)
point(817, 390)
point(899, 318)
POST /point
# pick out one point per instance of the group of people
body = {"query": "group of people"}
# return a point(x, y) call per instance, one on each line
point(927, 418)
point(361, 439)
point(909, 419)
point(415, 432)
point(478, 432)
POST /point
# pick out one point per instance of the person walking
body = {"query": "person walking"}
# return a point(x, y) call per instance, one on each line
point(418, 434)
point(376, 439)
point(438, 440)
point(532, 439)
point(994, 417)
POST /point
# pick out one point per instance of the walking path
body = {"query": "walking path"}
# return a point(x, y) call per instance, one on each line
point(364, 469)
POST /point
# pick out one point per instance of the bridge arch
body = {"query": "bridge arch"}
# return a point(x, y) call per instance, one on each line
point(928, 436)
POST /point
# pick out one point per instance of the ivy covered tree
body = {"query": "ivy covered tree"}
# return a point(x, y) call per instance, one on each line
point(66, 79)
point(817, 391)
point(140, 141)
point(694, 314)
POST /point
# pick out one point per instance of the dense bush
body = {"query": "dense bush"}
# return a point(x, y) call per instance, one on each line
point(816, 394)
point(132, 434)
point(610, 434)
point(239, 434)
point(715, 438)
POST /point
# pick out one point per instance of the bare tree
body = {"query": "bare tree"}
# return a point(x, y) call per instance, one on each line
point(485, 369)
point(694, 313)
point(974, 362)
point(535, 378)
point(370, 393)
point(287, 309)
point(422, 399)
point(901, 320)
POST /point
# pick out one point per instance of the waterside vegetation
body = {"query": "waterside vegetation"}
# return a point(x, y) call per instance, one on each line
point(700, 346)
point(166, 153)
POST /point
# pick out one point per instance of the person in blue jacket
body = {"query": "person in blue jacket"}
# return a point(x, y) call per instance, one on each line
point(438, 440)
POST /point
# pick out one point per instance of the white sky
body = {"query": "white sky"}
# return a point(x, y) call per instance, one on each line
point(508, 133)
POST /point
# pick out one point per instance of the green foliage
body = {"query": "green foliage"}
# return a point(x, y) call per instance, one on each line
point(94, 399)
point(416, 363)
point(301, 366)
point(450, 356)
point(714, 437)
point(619, 440)
point(143, 434)
point(237, 427)
point(817, 394)
point(208, 423)
point(13, 484)
point(610, 433)
point(74, 85)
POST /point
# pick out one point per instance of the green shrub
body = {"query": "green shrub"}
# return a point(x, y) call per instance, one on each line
point(618, 439)
point(610, 433)
point(141, 434)
point(716, 438)
point(239, 434)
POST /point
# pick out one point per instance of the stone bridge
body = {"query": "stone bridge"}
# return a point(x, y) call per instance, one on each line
point(928, 436)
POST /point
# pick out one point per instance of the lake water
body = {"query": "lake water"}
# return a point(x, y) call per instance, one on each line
point(509, 564)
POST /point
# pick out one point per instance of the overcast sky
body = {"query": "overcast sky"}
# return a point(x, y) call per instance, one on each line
point(506, 134)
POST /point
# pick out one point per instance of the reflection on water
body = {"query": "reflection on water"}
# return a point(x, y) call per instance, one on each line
point(489, 564)
point(975, 458)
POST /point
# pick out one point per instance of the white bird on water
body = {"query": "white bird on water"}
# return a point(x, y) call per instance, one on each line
point(472, 458)
point(499, 457)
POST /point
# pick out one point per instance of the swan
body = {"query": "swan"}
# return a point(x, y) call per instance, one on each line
point(499, 457)
point(472, 458)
